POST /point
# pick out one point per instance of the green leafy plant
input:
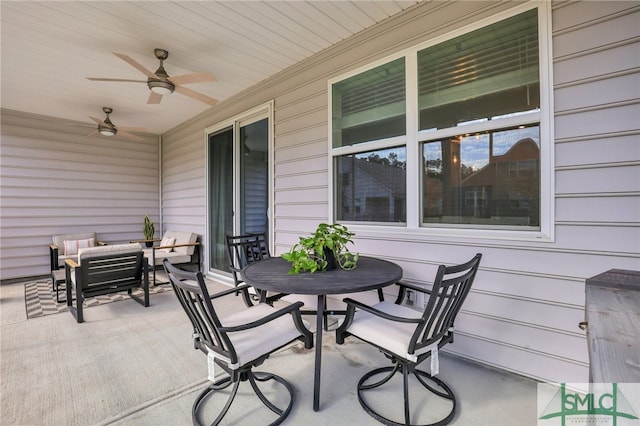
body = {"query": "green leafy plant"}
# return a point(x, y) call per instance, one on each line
point(318, 251)
point(149, 228)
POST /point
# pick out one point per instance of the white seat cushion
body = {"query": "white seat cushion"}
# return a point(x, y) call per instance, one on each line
point(105, 250)
point(174, 257)
point(253, 343)
point(178, 254)
point(391, 335)
point(62, 258)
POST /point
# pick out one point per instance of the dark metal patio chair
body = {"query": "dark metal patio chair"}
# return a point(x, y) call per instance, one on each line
point(244, 250)
point(409, 337)
point(238, 342)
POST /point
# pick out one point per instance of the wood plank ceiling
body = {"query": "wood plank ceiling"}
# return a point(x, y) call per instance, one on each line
point(49, 49)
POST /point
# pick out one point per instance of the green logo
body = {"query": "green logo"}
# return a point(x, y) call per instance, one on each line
point(604, 404)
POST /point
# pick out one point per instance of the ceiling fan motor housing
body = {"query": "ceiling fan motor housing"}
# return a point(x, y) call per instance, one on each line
point(108, 130)
point(160, 83)
point(106, 127)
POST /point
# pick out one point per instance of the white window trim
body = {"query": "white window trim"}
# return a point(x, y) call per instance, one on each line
point(546, 233)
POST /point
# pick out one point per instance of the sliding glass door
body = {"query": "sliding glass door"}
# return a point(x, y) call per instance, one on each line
point(238, 183)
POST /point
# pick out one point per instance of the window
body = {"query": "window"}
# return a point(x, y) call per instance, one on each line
point(372, 186)
point(370, 106)
point(487, 74)
point(488, 178)
point(480, 117)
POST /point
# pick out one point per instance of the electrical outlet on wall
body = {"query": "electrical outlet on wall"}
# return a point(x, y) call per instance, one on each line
point(410, 298)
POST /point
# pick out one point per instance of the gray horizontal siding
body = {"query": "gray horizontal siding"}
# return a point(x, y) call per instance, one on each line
point(56, 180)
point(529, 295)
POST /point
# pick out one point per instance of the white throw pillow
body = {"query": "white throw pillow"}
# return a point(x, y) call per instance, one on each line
point(71, 247)
point(166, 241)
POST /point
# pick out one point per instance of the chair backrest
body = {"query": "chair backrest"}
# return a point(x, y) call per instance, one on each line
point(194, 297)
point(59, 239)
point(105, 273)
point(244, 250)
point(89, 252)
point(450, 289)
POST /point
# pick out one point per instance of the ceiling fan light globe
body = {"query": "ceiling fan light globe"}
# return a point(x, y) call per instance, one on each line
point(161, 87)
point(108, 132)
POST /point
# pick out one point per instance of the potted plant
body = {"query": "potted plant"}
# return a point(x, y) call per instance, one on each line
point(325, 249)
point(148, 230)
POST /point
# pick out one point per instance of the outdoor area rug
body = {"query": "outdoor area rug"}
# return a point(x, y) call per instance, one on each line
point(40, 299)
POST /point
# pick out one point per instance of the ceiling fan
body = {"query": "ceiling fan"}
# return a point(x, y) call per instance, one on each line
point(107, 128)
point(161, 83)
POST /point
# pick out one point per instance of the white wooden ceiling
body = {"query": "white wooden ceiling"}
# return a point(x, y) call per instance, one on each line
point(49, 48)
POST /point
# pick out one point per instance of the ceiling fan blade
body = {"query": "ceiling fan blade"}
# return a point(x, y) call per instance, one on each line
point(129, 136)
point(134, 64)
point(94, 133)
point(125, 80)
point(133, 129)
point(195, 95)
point(97, 120)
point(197, 77)
point(154, 98)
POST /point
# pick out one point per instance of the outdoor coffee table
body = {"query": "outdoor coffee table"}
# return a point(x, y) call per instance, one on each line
point(273, 275)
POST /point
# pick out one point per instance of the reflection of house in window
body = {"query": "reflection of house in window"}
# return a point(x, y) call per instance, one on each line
point(507, 188)
point(372, 191)
point(433, 205)
point(476, 201)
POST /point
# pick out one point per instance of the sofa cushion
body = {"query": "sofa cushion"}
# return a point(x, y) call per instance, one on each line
point(59, 239)
point(166, 241)
point(71, 247)
point(105, 250)
point(182, 238)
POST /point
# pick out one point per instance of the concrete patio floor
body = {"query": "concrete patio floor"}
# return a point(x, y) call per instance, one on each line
point(129, 365)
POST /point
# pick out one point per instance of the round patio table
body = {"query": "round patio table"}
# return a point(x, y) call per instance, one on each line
point(273, 275)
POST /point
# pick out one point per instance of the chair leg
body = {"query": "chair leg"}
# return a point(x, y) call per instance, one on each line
point(253, 378)
point(56, 282)
point(155, 282)
point(263, 377)
point(144, 301)
point(77, 312)
point(216, 386)
point(405, 391)
point(437, 387)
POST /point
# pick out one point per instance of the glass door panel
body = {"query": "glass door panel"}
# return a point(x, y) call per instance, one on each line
point(238, 198)
point(220, 196)
point(254, 173)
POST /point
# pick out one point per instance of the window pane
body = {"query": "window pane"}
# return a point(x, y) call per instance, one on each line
point(371, 186)
point(370, 105)
point(492, 178)
point(486, 74)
